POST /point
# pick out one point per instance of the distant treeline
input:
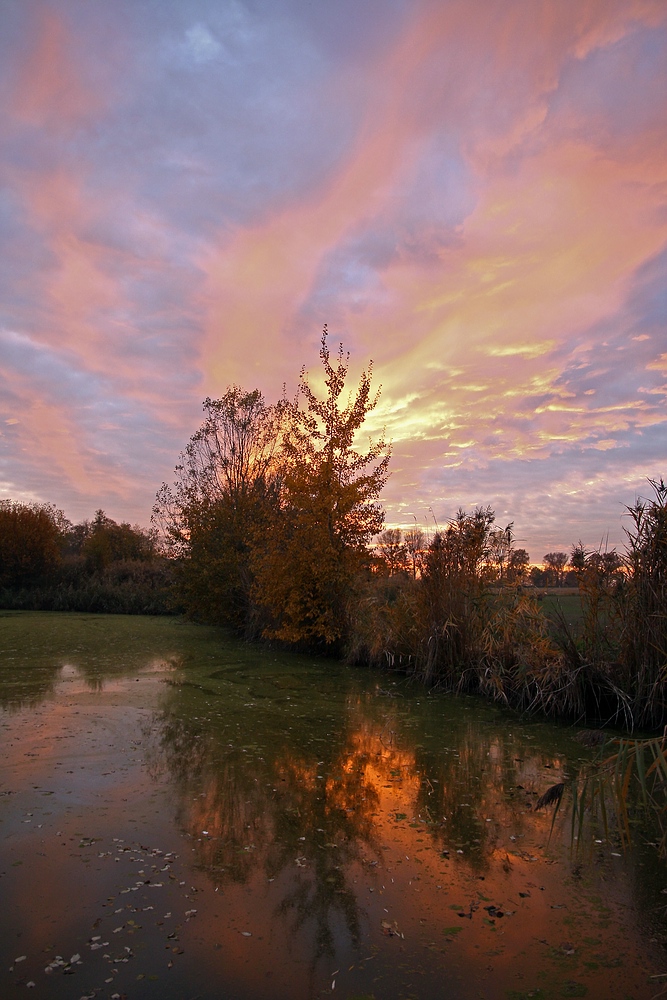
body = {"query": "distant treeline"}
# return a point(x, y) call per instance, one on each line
point(49, 564)
point(273, 526)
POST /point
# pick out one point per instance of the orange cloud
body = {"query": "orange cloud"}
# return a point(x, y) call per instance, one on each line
point(547, 253)
point(260, 277)
point(489, 214)
point(547, 250)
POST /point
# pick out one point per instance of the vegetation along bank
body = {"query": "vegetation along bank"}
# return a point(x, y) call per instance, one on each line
point(273, 526)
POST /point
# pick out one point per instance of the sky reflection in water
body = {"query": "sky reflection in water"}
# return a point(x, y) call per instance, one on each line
point(194, 817)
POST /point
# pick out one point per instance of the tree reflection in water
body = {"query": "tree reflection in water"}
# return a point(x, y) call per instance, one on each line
point(327, 805)
point(286, 813)
point(310, 807)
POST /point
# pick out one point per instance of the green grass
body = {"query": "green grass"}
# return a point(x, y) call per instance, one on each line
point(569, 605)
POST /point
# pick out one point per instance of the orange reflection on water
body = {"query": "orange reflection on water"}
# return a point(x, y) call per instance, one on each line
point(388, 857)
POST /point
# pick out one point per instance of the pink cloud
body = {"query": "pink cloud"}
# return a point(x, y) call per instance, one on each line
point(50, 90)
point(481, 226)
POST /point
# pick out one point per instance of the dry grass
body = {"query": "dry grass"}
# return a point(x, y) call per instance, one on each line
point(454, 630)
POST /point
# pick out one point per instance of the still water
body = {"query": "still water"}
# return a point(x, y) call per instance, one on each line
point(184, 816)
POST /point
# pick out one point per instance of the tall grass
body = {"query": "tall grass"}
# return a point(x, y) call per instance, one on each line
point(455, 627)
point(622, 644)
point(642, 608)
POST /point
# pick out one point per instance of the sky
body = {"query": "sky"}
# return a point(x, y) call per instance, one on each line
point(471, 193)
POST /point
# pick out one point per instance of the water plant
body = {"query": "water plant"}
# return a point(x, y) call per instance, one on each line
point(625, 784)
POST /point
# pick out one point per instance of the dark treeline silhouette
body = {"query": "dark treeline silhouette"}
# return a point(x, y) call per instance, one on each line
point(47, 563)
point(273, 526)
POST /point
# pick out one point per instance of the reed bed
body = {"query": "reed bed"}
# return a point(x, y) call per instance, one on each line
point(453, 626)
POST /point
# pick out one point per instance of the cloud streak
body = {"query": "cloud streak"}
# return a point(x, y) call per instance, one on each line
point(477, 202)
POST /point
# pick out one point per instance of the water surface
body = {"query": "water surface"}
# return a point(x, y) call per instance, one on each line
point(185, 816)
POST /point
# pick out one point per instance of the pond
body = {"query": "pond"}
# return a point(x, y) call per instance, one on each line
point(185, 816)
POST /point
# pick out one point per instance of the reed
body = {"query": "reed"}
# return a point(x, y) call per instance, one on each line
point(625, 784)
point(642, 608)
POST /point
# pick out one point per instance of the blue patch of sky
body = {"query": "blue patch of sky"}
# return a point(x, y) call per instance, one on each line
point(619, 90)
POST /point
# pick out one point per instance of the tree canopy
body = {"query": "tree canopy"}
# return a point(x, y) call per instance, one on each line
point(328, 507)
point(273, 507)
point(30, 540)
point(217, 508)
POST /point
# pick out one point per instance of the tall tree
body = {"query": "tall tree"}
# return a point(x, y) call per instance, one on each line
point(517, 566)
point(453, 583)
point(328, 511)
point(415, 543)
point(216, 510)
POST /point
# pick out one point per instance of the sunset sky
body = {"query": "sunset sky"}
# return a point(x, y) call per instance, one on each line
point(473, 193)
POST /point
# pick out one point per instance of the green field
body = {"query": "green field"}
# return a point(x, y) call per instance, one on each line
point(567, 602)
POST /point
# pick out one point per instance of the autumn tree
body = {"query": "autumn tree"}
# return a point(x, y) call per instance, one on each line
point(30, 541)
point(596, 568)
point(453, 583)
point(216, 510)
point(328, 510)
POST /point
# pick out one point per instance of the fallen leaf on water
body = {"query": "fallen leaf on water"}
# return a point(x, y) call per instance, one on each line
point(390, 930)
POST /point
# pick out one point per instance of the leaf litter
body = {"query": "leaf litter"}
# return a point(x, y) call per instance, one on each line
point(150, 857)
